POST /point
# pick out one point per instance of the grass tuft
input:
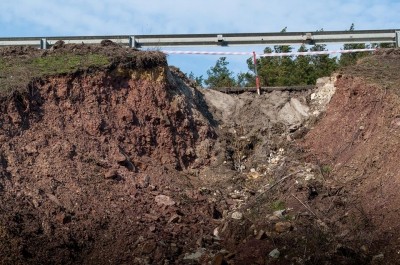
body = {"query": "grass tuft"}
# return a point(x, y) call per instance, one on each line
point(17, 71)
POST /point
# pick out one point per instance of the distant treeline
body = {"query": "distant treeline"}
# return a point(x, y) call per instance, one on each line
point(285, 70)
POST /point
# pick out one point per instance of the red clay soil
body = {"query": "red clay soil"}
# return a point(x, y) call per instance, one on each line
point(129, 164)
point(358, 142)
point(89, 169)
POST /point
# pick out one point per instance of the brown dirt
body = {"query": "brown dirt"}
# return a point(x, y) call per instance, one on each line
point(362, 150)
point(129, 164)
point(83, 157)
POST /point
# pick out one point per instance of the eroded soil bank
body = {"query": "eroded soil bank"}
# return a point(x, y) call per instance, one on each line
point(128, 163)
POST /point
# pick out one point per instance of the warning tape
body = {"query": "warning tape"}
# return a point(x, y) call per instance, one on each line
point(207, 53)
point(314, 53)
point(270, 54)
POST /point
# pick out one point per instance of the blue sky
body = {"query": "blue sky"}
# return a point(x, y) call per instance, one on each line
point(131, 17)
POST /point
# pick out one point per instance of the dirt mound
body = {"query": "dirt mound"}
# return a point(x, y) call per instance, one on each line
point(361, 152)
point(90, 166)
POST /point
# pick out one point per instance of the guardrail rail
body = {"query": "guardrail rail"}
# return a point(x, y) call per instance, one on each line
point(228, 39)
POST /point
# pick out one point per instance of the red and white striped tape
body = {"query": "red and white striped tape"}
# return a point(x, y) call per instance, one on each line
point(314, 53)
point(270, 54)
point(207, 53)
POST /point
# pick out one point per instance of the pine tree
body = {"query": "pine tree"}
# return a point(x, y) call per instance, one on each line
point(304, 72)
point(198, 79)
point(351, 58)
point(219, 75)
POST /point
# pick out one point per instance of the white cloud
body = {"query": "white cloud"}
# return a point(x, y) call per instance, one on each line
point(182, 16)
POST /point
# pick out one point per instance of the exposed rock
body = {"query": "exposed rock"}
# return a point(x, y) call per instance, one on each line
point(274, 254)
point(219, 260)
point(378, 257)
point(282, 227)
point(260, 235)
point(164, 200)
point(174, 219)
point(196, 255)
point(323, 94)
point(253, 175)
point(279, 213)
point(148, 247)
point(237, 215)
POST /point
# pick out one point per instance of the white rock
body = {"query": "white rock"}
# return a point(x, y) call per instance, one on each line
point(194, 256)
point(379, 256)
point(279, 213)
point(309, 177)
point(300, 108)
point(237, 215)
point(164, 200)
point(274, 253)
point(216, 233)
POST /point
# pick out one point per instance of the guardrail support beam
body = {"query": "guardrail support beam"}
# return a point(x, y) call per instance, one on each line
point(132, 42)
point(397, 39)
point(43, 44)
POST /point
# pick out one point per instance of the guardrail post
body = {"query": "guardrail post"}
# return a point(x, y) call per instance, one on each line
point(398, 39)
point(132, 42)
point(43, 44)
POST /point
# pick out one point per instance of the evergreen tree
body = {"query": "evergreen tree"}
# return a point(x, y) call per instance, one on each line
point(351, 58)
point(304, 72)
point(198, 79)
point(246, 79)
point(275, 71)
point(219, 75)
point(323, 64)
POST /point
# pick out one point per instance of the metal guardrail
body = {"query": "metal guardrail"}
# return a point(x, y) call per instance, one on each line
point(286, 38)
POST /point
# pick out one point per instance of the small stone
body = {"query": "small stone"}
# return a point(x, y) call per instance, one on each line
point(152, 228)
point(274, 254)
point(151, 217)
point(253, 175)
point(31, 149)
point(396, 122)
point(260, 235)
point(164, 200)
point(174, 219)
point(313, 96)
point(216, 232)
point(199, 242)
point(194, 256)
point(282, 227)
point(309, 177)
point(148, 247)
point(218, 259)
point(111, 174)
point(280, 213)
point(174, 248)
point(237, 215)
point(252, 170)
point(379, 256)
point(119, 157)
point(272, 218)
point(364, 248)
